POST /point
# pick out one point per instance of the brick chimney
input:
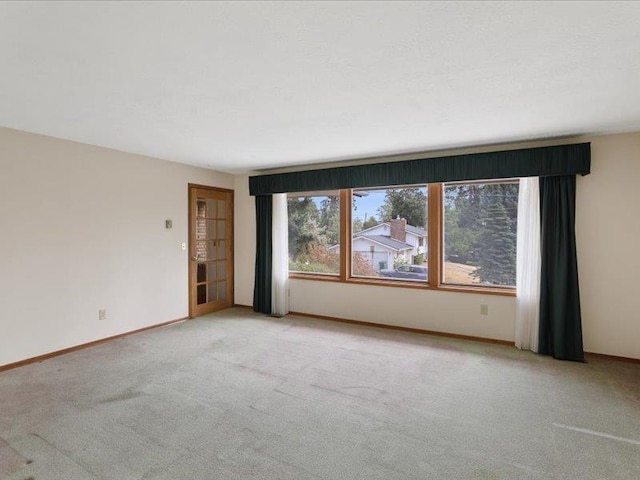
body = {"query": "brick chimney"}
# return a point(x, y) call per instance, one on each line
point(399, 229)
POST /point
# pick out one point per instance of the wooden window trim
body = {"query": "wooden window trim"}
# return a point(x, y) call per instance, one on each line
point(483, 290)
point(435, 260)
point(329, 277)
point(499, 291)
point(345, 235)
point(434, 234)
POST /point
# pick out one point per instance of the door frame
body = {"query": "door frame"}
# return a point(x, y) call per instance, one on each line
point(191, 188)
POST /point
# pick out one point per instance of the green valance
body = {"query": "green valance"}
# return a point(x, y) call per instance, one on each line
point(528, 162)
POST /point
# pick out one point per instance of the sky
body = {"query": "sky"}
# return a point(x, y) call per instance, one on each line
point(368, 205)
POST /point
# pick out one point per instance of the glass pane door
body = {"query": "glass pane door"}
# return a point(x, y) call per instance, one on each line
point(210, 250)
point(211, 262)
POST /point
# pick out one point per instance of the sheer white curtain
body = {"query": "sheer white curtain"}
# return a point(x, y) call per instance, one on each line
point(528, 265)
point(280, 257)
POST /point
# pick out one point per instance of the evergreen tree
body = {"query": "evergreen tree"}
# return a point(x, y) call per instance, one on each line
point(496, 245)
point(465, 209)
point(462, 208)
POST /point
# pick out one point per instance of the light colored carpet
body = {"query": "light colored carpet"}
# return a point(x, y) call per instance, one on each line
point(10, 460)
point(236, 395)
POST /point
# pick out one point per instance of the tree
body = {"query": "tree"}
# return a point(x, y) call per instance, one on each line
point(465, 208)
point(370, 222)
point(356, 226)
point(496, 249)
point(329, 219)
point(304, 229)
point(462, 212)
point(409, 203)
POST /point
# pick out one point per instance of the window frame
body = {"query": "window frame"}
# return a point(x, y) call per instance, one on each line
point(330, 277)
point(505, 289)
point(434, 242)
point(379, 280)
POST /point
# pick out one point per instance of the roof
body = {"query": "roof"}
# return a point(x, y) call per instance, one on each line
point(387, 241)
point(420, 232)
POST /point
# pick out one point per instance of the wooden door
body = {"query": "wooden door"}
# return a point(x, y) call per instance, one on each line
point(210, 249)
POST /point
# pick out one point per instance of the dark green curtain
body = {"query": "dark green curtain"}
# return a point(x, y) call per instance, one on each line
point(560, 331)
point(526, 162)
point(264, 252)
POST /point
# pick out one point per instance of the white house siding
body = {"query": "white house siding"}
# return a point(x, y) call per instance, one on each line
point(381, 253)
point(411, 239)
point(380, 229)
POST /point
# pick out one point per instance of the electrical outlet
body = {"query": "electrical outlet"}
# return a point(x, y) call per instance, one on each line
point(484, 309)
point(102, 314)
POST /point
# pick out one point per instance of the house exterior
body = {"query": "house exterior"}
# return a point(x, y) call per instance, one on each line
point(388, 241)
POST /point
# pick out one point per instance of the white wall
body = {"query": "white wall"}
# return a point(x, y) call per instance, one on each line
point(424, 309)
point(245, 241)
point(608, 240)
point(83, 229)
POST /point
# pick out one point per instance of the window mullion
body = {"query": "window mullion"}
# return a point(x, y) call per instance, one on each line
point(435, 234)
point(345, 234)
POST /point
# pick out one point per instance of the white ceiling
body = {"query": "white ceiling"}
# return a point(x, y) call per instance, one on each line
point(245, 86)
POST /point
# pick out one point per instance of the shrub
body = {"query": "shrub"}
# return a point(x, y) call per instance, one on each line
point(361, 266)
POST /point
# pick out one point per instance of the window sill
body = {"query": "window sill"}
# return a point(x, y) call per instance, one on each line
point(389, 283)
point(502, 291)
point(315, 276)
point(505, 292)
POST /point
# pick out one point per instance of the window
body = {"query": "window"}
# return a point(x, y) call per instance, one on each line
point(453, 236)
point(314, 233)
point(480, 233)
point(388, 227)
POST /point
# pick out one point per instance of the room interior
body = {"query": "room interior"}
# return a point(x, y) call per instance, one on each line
point(111, 113)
